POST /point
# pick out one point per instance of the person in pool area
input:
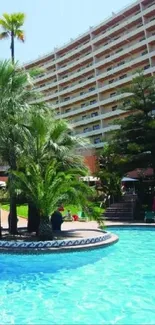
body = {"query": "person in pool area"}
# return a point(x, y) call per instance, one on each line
point(69, 215)
point(56, 220)
point(61, 208)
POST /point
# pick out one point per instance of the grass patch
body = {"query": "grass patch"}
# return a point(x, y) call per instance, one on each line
point(22, 210)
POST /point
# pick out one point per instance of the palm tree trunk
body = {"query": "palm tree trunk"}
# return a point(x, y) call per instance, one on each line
point(13, 205)
point(12, 48)
point(13, 215)
point(33, 218)
point(45, 231)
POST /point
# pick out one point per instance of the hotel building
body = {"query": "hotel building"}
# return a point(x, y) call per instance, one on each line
point(81, 79)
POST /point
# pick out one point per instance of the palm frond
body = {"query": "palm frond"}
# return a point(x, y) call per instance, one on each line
point(4, 35)
point(20, 35)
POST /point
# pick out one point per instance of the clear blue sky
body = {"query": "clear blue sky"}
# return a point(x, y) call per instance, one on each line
point(51, 23)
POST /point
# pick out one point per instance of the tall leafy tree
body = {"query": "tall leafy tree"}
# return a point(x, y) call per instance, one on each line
point(133, 144)
point(11, 26)
point(135, 140)
point(110, 172)
point(15, 96)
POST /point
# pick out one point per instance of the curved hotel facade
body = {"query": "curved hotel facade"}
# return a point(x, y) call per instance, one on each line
point(81, 79)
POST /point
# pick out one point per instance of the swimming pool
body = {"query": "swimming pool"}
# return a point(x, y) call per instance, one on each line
point(115, 285)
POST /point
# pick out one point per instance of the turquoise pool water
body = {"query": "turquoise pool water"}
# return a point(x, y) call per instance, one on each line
point(115, 285)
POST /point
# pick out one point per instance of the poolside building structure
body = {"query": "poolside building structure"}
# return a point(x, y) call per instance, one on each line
point(81, 79)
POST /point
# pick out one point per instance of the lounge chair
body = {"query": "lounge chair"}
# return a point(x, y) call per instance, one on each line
point(149, 216)
point(82, 215)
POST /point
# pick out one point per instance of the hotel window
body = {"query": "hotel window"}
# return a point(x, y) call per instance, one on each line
point(85, 130)
point(107, 56)
point(67, 110)
point(94, 114)
point(114, 108)
point(92, 88)
point(40, 75)
point(142, 39)
point(115, 25)
point(93, 101)
point(42, 85)
point(96, 127)
point(67, 98)
point(143, 53)
point(153, 18)
point(111, 81)
point(110, 68)
point(97, 140)
point(90, 77)
point(140, 25)
point(123, 76)
point(151, 4)
point(120, 63)
point(116, 38)
point(119, 50)
point(84, 117)
point(83, 105)
point(146, 67)
point(81, 93)
point(65, 76)
point(112, 94)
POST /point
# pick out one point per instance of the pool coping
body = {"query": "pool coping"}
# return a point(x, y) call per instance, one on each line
point(101, 240)
point(130, 225)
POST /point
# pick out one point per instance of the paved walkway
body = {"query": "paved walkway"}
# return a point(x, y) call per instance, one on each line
point(75, 228)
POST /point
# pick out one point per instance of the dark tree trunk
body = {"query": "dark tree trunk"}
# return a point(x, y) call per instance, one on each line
point(12, 48)
point(13, 204)
point(33, 218)
point(0, 226)
point(13, 216)
point(45, 231)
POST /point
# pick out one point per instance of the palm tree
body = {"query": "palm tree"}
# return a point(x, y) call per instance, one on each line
point(47, 187)
point(15, 94)
point(49, 139)
point(11, 27)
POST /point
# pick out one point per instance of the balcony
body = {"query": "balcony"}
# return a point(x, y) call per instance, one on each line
point(101, 89)
point(96, 145)
point(124, 24)
point(73, 52)
point(100, 63)
point(89, 119)
point(117, 28)
point(45, 76)
point(79, 110)
point(103, 130)
point(78, 98)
